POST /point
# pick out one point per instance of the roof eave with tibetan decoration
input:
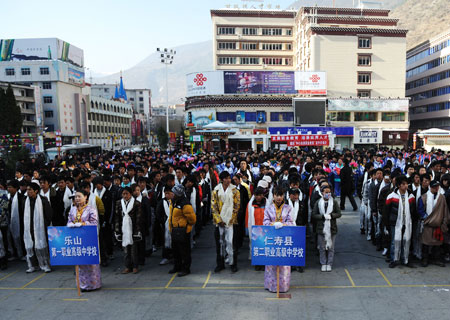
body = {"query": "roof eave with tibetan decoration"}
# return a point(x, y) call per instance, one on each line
point(358, 31)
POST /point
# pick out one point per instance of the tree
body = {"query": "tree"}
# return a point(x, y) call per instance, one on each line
point(163, 137)
point(11, 118)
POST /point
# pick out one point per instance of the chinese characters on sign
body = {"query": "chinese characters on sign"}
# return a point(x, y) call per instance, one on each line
point(282, 247)
point(73, 246)
point(299, 140)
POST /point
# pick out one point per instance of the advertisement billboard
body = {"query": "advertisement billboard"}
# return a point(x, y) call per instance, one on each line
point(204, 83)
point(311, 82)
point(200, 118)
point(256, 82)
point(240, 117)
point(398, 105)
point(260, 117)
point(259, 82)
point(301, 140)
point(40, 49)
point(338, 131)
point(309, 111)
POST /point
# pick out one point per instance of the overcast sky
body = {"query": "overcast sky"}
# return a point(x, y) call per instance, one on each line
point(115, 34)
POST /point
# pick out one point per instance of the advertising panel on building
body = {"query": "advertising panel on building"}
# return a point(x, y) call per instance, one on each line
point(338, 131)
point(204, 83)
point(200, 118)
point(40, 49)
point(367, 136)
point(312, 83)
point(309, 111)
point(399, 105)
point(255, 82)
point(240, 117)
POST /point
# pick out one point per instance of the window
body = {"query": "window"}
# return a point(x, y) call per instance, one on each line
point(250, 31)
point(249, 46)
point(106, 90)
point(44, 71)
point(364, 60)
point(227, 60)
point(46, 85)
point(273, 61)
point(364, 43)
point(393, 116)
point(141, 99)
point(289, 32)
point(364, 77)
point(26, 71)
point(363, 94)
point(366, 116)
point(48, 99)
point(227, 45)
point(48, 114)
point(338, 116)
point(226, 30)
point(250, 117)
point(249, 60)
point(288, 46)
point(272, 32)
point(281, 116)
point(140, 92)
point(141, 105)
point(272, 46)
point(10, 71)
point(131, 99)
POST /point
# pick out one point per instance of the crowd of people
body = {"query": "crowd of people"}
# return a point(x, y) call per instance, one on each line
point(155, 203)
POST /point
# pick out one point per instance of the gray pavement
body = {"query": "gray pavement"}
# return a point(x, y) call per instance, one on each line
point(361, 286)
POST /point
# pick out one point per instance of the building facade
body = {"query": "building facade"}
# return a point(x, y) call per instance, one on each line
point(428, 83)
point(253, 39)
point(57, 68)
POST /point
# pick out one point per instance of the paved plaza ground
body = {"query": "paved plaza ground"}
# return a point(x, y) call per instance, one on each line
point(361, 286)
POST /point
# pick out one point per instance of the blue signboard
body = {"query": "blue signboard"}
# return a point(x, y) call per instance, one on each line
point(338, 131)
point(73, 246)
point(278, 247)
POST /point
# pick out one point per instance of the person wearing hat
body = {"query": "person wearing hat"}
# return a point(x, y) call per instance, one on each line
point(433, 210)
point(325, 213)
point(181, 220)
point(128, 228)
point(255, 216)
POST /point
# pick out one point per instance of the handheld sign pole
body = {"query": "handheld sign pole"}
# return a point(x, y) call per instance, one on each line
point(77, 272)
point(278, 282)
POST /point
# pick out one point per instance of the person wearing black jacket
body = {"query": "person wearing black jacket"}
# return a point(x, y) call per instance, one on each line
point(15, 217)
point(193, 196)
point(128, 228)
point(347, 185)
point(242, 210)
point(55, 201)
point(374, 187)
point(145, 222)
point(105, 235)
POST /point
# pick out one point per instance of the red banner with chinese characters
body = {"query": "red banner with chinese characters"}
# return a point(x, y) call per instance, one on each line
point(302, 140)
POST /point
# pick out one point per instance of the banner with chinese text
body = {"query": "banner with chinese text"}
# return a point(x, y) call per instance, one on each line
point(73, 246)
point(300, 140)
point(278, 247)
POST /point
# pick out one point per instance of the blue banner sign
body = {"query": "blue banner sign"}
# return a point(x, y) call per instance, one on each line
point(278, 247)
point(73, 246)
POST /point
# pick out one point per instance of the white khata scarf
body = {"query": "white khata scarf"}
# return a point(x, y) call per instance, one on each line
point(193, 197)
point(167, 235)
point(66, 200)
point(226, 197)
point(101, 192)
point(15, 218)
point(139, 198)
point(295, 207)
point(327, 224)
point(127, 223)
point(39, 241)
point(431, 202)
point(399, 226)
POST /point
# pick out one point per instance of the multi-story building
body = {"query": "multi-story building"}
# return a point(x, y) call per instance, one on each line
point(57, 68)
point(428, 83)
point(30, 107)
point(253, 39)
point(108, 122)
point(360, 52)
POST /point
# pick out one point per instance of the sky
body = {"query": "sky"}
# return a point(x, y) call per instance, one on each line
point(115, 35)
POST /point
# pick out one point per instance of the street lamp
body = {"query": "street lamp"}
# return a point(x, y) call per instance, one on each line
point(166, 57)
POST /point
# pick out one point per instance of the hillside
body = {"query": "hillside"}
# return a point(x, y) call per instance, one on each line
point(423, 18)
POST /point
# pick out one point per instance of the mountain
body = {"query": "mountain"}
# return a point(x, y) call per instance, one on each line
point(423, 18)
point(150, 72)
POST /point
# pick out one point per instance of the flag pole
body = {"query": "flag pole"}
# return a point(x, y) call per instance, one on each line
point(77, 272)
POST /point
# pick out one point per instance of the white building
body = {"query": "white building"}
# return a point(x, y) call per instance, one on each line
point(428, 83)
point(57, 68)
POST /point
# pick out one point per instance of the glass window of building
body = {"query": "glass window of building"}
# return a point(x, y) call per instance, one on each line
point(366, 116)
point(393, 116)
